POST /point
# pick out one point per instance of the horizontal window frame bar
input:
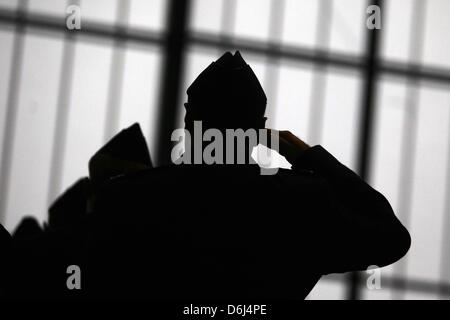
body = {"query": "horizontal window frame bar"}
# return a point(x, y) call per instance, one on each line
point(89, 28)
point(205, 39)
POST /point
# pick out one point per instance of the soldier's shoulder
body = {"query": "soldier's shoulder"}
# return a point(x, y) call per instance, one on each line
point(169, 175)
point(295, 178)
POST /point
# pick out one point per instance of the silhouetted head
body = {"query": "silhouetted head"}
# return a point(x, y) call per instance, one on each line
point(227, 94)
point(28, 227)
point(125, 153)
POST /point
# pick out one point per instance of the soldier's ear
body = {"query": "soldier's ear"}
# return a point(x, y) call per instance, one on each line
point(262, 123)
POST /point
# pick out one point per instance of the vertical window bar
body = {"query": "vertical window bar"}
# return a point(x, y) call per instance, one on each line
point(172, 76)
point(323, 30)
point(366, 122)
point(409, 132)
point(228, 20)
point(117, 71)
point(273, 62)
point(62, 115)
point(12, 104)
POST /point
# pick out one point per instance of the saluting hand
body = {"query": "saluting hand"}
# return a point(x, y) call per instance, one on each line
point(291, 147)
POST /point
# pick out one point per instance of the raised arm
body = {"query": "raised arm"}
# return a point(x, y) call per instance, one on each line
point(359, 226)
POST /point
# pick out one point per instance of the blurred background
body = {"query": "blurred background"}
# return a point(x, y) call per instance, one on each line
point(379, 100)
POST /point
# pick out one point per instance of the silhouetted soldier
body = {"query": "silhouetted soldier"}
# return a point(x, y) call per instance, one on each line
point(35, 260)
point(222, 231)
point(226, 231)
point(5, 255)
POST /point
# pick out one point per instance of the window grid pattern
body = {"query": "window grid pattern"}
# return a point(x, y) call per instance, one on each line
point(369, 64)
